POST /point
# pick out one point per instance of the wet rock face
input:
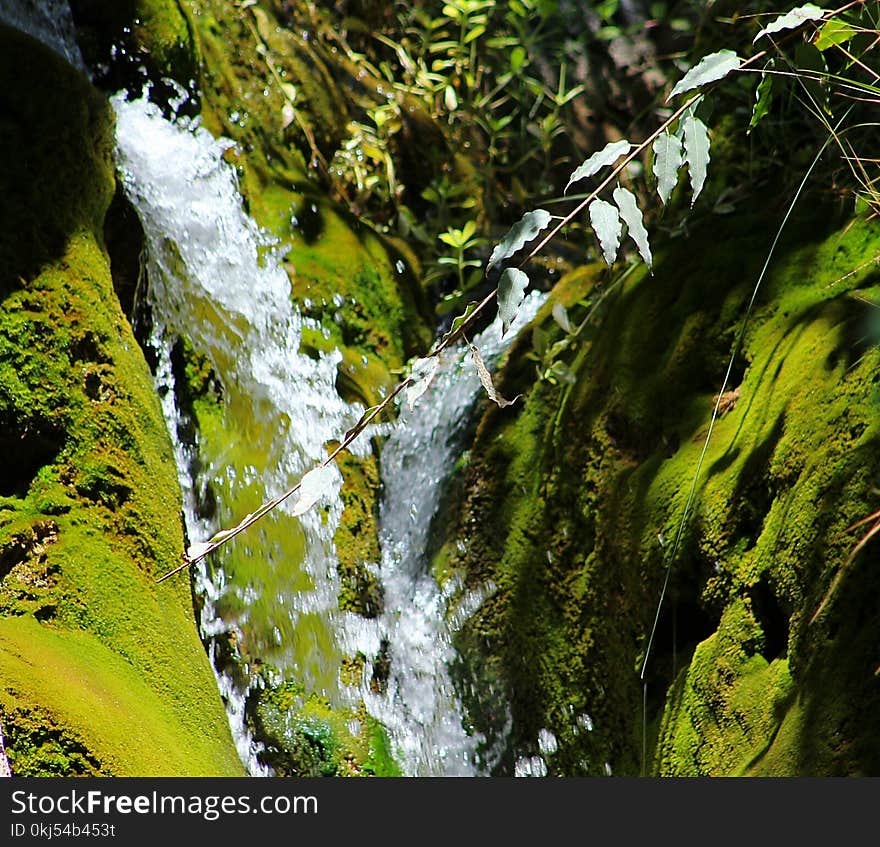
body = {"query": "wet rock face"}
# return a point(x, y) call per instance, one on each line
point(89, 505)
point(132, 43)
point(572, 507)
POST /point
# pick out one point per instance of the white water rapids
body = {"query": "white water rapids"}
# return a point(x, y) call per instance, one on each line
point(214, 279)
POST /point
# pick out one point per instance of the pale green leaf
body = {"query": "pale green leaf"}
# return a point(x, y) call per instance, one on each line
point(560, 315)
point(792, 19)
point(711, 68)
point(606, 223)
point(608, 155)
point(420, 375)
point(457, 322)
point(696, 152)
point(317, 483)
point(632, 217)
point(511, 290)
point(530, 226)
point(667, 160)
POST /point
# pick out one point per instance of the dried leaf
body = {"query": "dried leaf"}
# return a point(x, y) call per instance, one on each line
point(524, 230)
point(711, 68)
point(486, 380)
point(317, 483)
point(608, 155)
point(511, 291)
point(420, 375)
point(196, 551)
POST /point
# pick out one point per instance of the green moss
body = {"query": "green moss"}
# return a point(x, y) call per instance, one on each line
point(304, 736)
point(573, 503)
point(126, 40)
point(357, 537)
point(101, 668)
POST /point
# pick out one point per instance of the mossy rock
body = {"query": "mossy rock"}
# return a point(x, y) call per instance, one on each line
point(101, 669)
point(129, 44)
point(574, 500)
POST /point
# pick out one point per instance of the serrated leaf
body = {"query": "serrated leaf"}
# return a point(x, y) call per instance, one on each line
point(317, 483)
point(711, 68)
point(608, 155)
point(834, 32)
point(511, 290)
point(631, 215)
point(792, 19)
point(696, 152)
point(606, 223)
point(763, 98)
point(528, 227)
point(667, 160)
point(486, 380)
point(420, 375)
point(560, 315)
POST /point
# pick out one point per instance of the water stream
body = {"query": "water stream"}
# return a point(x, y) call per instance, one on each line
point(271, 597)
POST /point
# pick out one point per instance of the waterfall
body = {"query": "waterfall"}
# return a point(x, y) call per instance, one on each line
point(215, 280)
point(420, 708)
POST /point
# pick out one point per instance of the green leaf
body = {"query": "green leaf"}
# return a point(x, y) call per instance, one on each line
point(632, 217)
point(560, 372)
point(606, 222)
point(317, 483)
point(792, 19)
point(457, 322)
point(696, 152)
point(540, 341)
point(421, 373)
point(511, 291)
point(667, 160)
point(833, 33)
point(763, 98)
point(524, 230)
point(711, 68)
point(608, 155)
point(560, 315)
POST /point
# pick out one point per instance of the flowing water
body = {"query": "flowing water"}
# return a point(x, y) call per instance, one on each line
point(271, 596)
point(234, 304)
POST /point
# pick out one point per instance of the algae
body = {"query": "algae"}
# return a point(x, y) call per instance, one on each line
point(573, 504)
point(101, 669)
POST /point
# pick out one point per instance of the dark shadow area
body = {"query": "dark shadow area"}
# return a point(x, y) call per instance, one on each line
point(772, 616)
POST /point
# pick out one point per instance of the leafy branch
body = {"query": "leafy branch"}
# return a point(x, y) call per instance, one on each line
point(687, 144)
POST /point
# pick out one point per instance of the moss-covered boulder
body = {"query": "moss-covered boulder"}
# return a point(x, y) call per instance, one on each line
point(573, 508)
point(101, 668)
